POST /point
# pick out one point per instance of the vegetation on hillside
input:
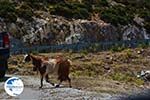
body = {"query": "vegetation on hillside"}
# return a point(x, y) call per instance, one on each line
point(120, 12)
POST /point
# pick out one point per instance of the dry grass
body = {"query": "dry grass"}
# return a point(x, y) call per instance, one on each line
point(101, 71)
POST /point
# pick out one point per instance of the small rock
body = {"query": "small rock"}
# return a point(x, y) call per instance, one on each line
point(145, 75)
point(138, 20)
point(109, 57)
point(79, 57)
point(117, 83)
point(139, 52)
point(107, 67)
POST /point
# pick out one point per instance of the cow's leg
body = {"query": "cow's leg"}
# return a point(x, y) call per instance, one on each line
point(42, 71)
point(41, 81)
point(69, 80)
point(47, 80)
point(58, 84)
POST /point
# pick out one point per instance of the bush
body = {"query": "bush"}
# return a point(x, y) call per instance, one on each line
point(25, 12)
point(70, 10)
point(115, 15)
point(93, 47)
point(143, 45)
point(143, 13)
point(147, 26)
point(96, 2)
point(81, 13)
point(147, 3)
point(117, 48)
point(7, 11)
point(84, 52)
point(123, 77)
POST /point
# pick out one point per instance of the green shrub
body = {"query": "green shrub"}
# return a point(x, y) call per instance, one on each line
point(117, 48)
point(25, 11)
point(147, 26)
point(128, 53)
point(115, 15)
point(147, 3)
point(84, 52)
point(93, 47)
point(135, 3)
point(70, 10)
point(96, 2)
point(7, 10)
point(77, 73)
point(139, 81)
point(143, 45)
point(123, 77)
point(143, 13)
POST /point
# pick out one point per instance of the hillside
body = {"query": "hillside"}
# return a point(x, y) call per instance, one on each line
point(111, 11)
point(47, 23)
point(58, 21)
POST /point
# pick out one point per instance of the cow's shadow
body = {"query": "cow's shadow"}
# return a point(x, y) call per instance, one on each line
point(4, 79)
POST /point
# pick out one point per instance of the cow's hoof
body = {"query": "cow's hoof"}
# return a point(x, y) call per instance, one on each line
point(52, 84)
point(56, 86)
point(40, 87)
point(70, 86)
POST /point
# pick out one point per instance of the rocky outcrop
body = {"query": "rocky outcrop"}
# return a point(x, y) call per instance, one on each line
point(50, 29)
point(131, 32)
point(2, 25)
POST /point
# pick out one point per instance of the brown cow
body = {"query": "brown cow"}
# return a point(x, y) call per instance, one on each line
point(58, 65)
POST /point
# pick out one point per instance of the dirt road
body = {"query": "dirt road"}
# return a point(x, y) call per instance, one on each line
point(31, 91)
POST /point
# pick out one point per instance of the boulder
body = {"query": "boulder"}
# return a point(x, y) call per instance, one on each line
point(132, 32)
point(145, 75)
point(139, 20)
